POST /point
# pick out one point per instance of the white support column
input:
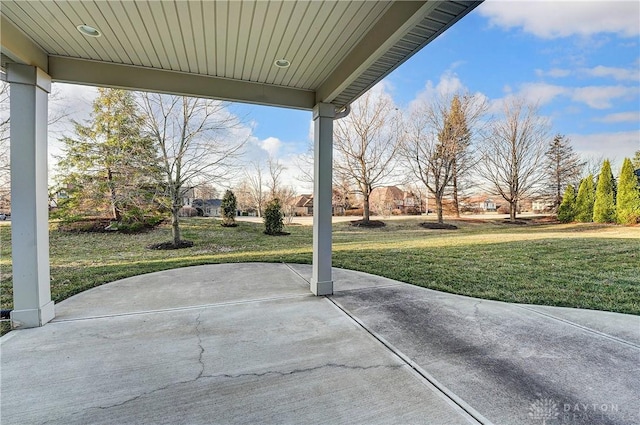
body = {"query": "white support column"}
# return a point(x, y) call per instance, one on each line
point(323, 114)
point(29, 91)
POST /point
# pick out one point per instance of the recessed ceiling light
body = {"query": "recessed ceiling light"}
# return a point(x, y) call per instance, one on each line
point(88, 30)
point(282, 63)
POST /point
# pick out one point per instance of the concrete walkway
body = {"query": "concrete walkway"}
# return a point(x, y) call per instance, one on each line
point(248, 343)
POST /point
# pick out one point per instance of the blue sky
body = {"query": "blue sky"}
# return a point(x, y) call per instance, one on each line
point(579, 59)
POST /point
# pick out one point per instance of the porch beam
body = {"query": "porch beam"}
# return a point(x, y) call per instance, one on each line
point(130, 77)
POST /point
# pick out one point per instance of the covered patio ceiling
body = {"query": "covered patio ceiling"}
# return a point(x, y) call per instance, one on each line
point(226, 49)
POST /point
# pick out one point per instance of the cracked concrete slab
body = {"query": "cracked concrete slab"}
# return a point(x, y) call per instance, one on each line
point(287, 361)
point(247, 343)
point(506, 359)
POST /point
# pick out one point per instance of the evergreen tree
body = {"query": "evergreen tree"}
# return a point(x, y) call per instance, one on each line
point(109, 166)
point(604, 208)
point(455, 138)
point(229, 209)
point(562, 165)
point(585, 200)
point(635, 162)
point(628, 196)
point(273, 217)
point(567, 209)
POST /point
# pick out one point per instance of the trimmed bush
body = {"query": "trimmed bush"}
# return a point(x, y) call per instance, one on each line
point(585, 200)
point(229, 208)
point(628, 196)
point(273, 218)
point(604, 207)
point(567, 209)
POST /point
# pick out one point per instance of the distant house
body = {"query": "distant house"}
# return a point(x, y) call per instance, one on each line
point(208, 207)
point(391, 199)
point(302, 205)
point(478, 204)
point(543, 205)
point(489, 205)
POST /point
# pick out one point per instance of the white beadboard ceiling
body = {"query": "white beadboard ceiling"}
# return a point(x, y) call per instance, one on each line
point(226, 49)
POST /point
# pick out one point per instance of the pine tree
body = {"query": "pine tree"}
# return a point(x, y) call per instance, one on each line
point(229, 209)
point(567, 209)
point(455, 138)
point(562, 165)
point(604, 208)
point(628, 196)
point(109, 165)
point(635, 162)
point(585, 200)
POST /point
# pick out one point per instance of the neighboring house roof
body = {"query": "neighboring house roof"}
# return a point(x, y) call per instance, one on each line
point(302, 201)
point(214, 203)
point(387, 193)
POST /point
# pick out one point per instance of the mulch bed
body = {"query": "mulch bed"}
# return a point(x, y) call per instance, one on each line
point(277, 234)
point(438, 226)
point(368, 224)
point(170, 245)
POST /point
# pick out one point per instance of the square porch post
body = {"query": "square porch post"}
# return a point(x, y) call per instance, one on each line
point(29, 90)
point(323, 115)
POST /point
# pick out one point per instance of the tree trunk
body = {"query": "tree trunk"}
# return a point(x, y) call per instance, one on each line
point(456, 206)
point(513, 205)
point(175, 226)
point(439, 209)
point(365, 209)
point(114, 197)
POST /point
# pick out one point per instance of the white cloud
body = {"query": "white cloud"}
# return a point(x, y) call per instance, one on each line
point(620, 74)
point(597, 97)
point(553, 73)
point(600, 97)
point(621, 117)
point(448, 85)
point(541, 93)
point(271, 145)
point(616, 146)
point(600, 71)
point(553, 19)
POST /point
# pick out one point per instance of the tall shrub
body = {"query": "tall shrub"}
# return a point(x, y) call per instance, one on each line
point(229, 208)
point(273, 218)
point(567, 208)
point(628, 196)
point(604, 208)
point(585, 200)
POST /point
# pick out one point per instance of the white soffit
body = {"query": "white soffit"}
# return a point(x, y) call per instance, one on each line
point(226, 49)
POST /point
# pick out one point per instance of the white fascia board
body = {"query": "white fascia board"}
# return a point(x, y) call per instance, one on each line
point(391, 27)
point(130, 77)
point(19, 48)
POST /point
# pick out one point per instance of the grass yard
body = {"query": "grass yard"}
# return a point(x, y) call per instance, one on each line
point(574, 265)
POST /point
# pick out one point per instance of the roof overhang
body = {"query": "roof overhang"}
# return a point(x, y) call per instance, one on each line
point(226, 49)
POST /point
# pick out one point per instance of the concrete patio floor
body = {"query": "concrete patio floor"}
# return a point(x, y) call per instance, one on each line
point(248, 343)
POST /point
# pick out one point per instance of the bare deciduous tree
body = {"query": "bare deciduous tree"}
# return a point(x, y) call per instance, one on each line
point(437, 146)
point(255, 183)
point(274, 182)
point(195, 141)
point(365, 144)
point(5, 170)
point(513, 153)
point(5, 167)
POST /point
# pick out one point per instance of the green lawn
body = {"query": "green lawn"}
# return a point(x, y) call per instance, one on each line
point(575, 265)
